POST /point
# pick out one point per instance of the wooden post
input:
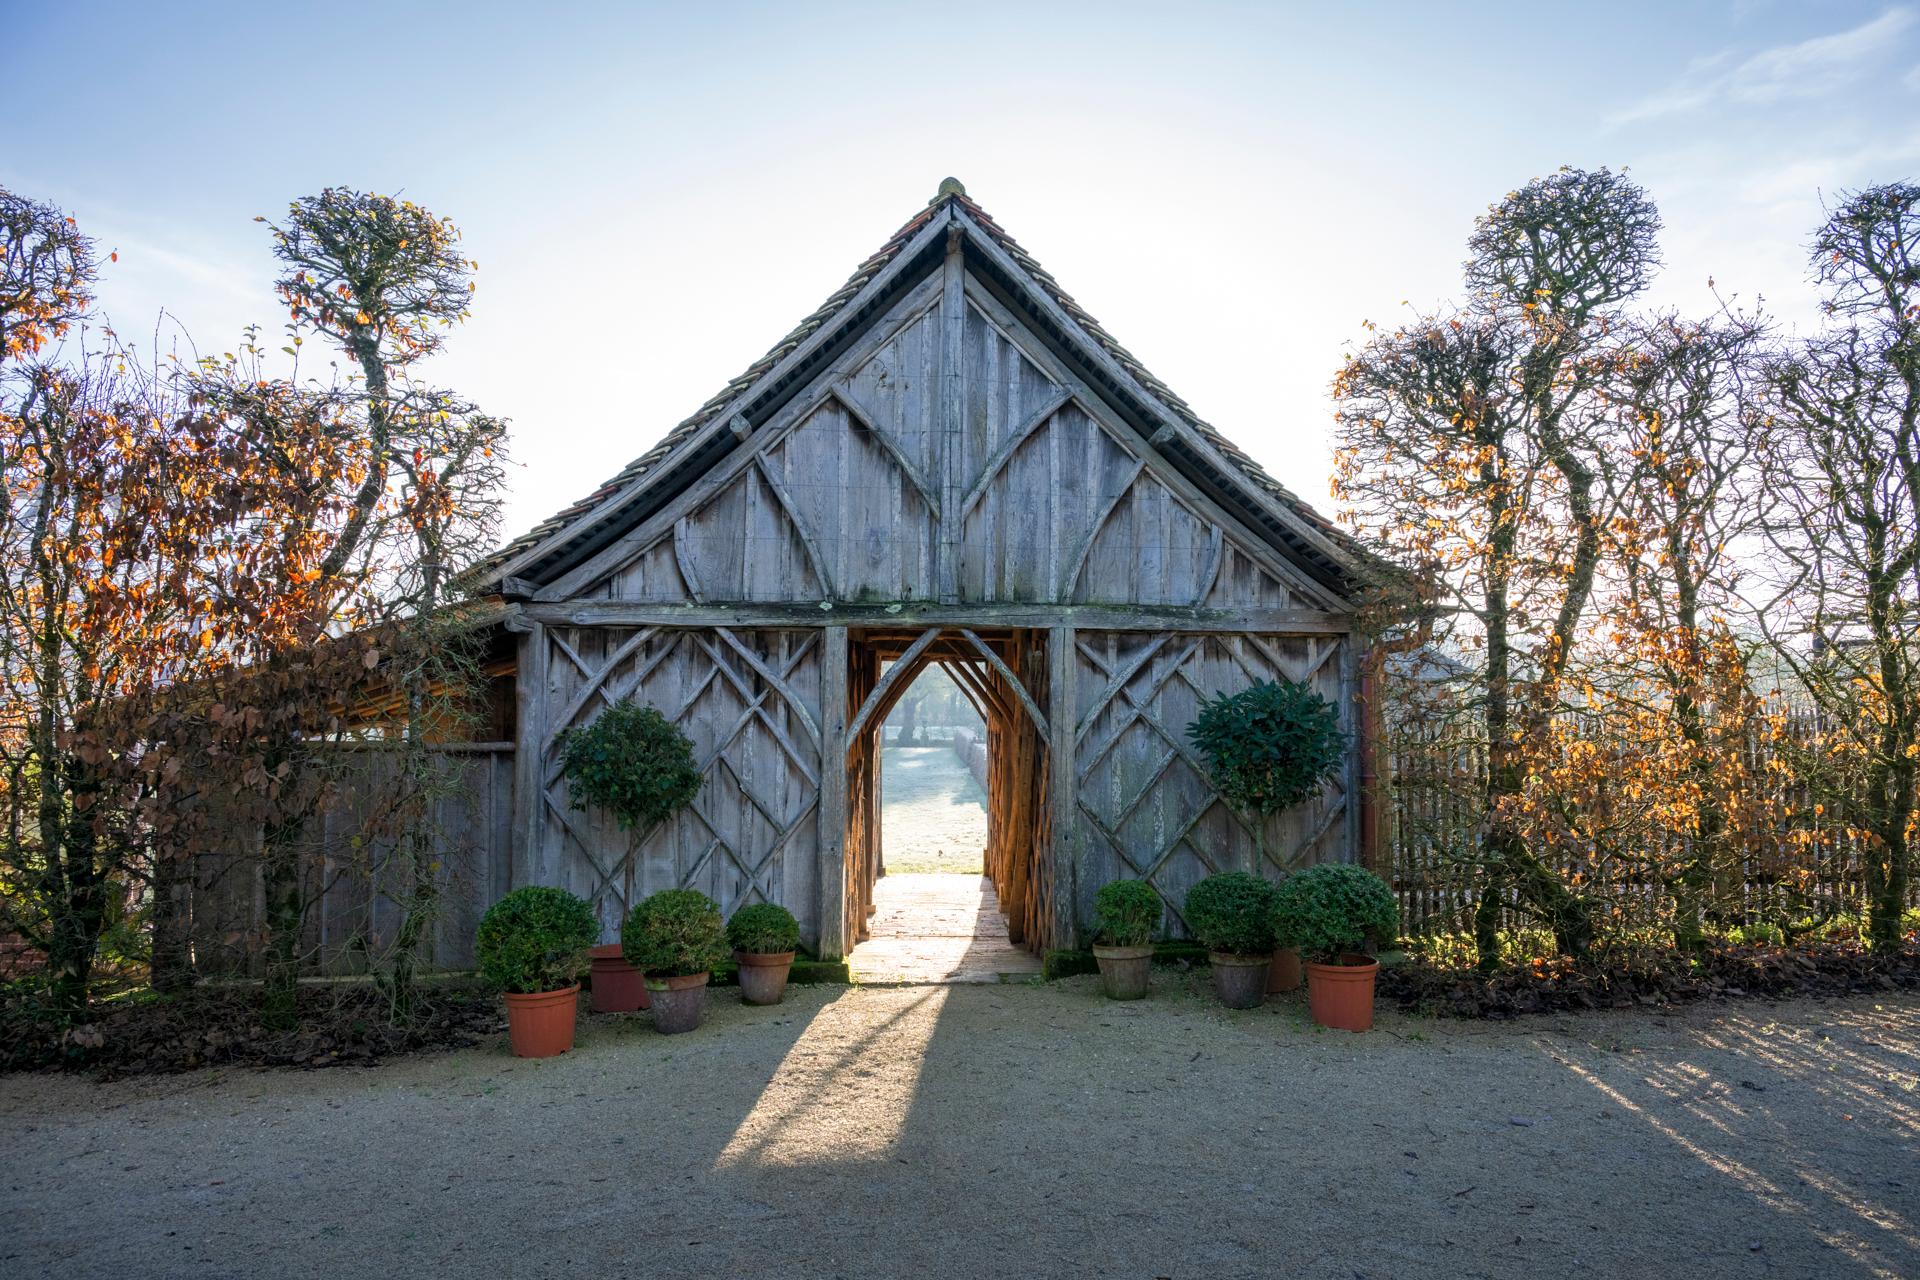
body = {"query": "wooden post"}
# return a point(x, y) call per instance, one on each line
point(1373, 791)
point(1063, 776)
point(833, 794)
point(1356, 726)
point(530, 731)
point(953, 396)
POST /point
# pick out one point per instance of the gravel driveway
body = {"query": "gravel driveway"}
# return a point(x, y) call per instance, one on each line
point(1020, 1131)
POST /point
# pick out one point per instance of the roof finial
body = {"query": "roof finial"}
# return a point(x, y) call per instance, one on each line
point(950, 187)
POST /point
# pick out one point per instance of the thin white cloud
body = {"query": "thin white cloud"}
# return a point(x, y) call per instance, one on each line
point(1808, 69)
point(1912, 80)
point(1792, 180)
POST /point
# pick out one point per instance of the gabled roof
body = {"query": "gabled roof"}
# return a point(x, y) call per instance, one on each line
point(1240, 483)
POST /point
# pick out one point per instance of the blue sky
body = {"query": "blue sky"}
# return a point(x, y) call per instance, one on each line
point(657, 193)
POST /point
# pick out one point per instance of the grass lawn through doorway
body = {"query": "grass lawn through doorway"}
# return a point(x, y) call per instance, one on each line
point(933, 815)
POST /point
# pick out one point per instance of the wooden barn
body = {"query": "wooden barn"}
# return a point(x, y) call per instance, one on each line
point(949, 462)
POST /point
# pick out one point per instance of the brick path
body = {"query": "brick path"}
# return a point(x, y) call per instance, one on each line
point(932, 928)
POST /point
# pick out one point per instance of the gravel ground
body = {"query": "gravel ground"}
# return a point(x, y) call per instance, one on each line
point(933, 815)
point(1021, 1130)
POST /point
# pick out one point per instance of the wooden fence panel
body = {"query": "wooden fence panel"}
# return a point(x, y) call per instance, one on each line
point(354, 903)
point(1436, 782)
point(1146, 809)
point(749, 700)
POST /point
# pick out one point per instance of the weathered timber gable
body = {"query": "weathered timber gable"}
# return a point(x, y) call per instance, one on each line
point(859, 492)
point(950, 462)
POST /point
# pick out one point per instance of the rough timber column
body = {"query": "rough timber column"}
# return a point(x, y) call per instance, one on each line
point(953, 398)
point(833, 794)
point(530, 688)
point(1063, 786)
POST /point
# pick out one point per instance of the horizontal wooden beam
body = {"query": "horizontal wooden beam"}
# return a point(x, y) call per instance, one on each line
point(1084, 617)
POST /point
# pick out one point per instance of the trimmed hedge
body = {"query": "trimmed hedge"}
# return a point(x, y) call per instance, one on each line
point(535, 939)
point(1269, 746)
point(1334, 908)
point(631, 761)
point(1126, 913)
point(1232, 912)
point(765, 928)
point(675, 933)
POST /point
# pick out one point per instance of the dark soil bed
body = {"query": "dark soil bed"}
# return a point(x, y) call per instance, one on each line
point(1648, 978)
point(340, 1025)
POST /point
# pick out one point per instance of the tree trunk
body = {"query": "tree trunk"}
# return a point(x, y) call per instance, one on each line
point(170, 966)
point(1889, 863)
point(286, 909)
point(80, 914)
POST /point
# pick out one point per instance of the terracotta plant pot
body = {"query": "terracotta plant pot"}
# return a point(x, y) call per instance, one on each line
point(1124, 971)
point(540, 1024)
point(1240, 981)
point(1341, 995)
point(618, 987)
point(763, 975)
point(1284, 974)
point(679, 1003)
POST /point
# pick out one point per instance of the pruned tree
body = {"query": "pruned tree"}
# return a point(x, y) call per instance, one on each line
point(47, 275)
point(371, 562)
point(1674, 695)
point(1470, 448)
point(1840, 594)
point(124, 551)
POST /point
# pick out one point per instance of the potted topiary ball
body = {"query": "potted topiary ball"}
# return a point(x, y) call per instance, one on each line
point(532, 944)
point(1126, 915)
point(634, 763)
point(1232, 916)
point(1335, 913)
point(1267, 748)
point(676, 937)
point(764, 937)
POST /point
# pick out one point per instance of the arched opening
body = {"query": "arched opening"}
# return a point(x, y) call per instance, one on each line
point(933, 782)
point(916, 919)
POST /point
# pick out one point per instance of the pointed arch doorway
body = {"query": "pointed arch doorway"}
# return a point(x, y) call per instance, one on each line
point(1002, 673)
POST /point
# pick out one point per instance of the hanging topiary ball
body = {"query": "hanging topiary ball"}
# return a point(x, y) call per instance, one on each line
point(631, 761)
point(1269, 746)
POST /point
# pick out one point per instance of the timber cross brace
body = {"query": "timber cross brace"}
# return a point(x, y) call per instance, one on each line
point(757, 745)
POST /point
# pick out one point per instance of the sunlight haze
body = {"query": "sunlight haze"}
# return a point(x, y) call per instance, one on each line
point(656, 194)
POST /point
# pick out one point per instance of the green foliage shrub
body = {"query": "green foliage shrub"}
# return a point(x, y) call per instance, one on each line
point(1269, 746)
point(1126, 913)
point(535, 939)
point(631, 761)
point(1232, 912)
point(763, 929)
point(1771, 935)
point(1334, 908)
point(674, 933)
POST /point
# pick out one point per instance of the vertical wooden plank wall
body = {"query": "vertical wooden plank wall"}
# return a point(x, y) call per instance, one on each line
point(349, 909)
point(1144, 807)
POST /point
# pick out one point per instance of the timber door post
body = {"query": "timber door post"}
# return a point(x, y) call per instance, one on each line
point(1063, 776)
point(530, 729)
point(834, 676)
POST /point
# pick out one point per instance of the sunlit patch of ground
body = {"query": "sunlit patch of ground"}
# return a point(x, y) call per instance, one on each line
point(1011, 1130)
point(938, 928)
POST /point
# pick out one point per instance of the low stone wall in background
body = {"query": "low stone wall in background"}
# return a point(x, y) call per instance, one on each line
point(968, 746)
